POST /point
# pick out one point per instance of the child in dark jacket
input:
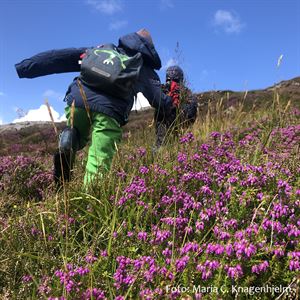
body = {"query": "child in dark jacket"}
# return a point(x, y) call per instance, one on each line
point(98, 116)
point(183, 100)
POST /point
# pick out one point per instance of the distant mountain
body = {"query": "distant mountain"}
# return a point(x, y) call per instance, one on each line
point(29, 137)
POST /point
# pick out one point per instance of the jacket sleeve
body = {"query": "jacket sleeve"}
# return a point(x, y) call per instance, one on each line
point(149, 84)
point(50, 62)
point(190, 109)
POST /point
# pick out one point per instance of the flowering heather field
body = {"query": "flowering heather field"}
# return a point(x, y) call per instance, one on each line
point(214, 216)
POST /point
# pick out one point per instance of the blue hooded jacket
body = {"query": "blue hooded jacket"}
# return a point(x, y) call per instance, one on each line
point(66, 60)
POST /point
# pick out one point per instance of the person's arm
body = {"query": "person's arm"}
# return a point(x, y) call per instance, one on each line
point(190, 109)
point(50, 62)
point(149, 84)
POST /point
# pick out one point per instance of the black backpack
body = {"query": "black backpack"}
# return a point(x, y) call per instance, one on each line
point(106, 69)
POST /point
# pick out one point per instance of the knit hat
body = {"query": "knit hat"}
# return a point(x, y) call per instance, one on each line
point(174, 73)
point(146, 35)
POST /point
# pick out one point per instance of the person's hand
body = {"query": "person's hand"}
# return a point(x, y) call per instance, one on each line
point(190, 110)
point(170, 108)
point(175, 93)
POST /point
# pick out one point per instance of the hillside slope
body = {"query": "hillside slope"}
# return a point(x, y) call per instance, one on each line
point(28, 137)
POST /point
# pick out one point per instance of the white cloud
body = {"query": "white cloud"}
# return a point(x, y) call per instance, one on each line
point(140, 102)
point(51, 94)
point(40, 114)
point(62, 118)
point(170, 62)
point(228, 21)
point(165, 4)
point(279, 60)
point(117, 25)
point(1, 121)
point(108, 7)
point(203, 74)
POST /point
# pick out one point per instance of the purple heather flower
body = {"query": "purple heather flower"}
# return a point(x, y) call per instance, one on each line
point(189, 247)
point(27, 278)
point(94, 293)
point(250, 250)
point(121, 174)
point(141, 151)
point(232, 179)
point(260, 196)
point(215, 249)
point(206, 190)
point(167, 252)
point(279, 252)
point(144, 170)
point(205, 147)
point(196, 157)
point(215, 134)
point(142, 236)
point(189, 137)
point(103, 253)
point(230, 223)
point(181, 158)
point(181, 263)
point(198, 296)
point(188, 230)
point(284, 187)
point(90, 259)
point(295, 254)
point(294, 265)
point(35, 231)
point(199, 225)
point(234, 272)
point(160, 236)
point(229, 249)
point(207, 268)
point(262, 267)
point(44, 288)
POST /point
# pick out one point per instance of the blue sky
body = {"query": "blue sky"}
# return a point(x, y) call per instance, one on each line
point(222, 44)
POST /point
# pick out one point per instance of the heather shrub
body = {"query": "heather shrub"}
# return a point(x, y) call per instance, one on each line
point(25, 177)
point(217, 207)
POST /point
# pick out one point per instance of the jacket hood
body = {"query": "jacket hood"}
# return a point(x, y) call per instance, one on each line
point(135, 43)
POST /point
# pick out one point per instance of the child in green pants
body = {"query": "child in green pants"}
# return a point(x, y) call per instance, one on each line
point(105, 133)
point(108, 106)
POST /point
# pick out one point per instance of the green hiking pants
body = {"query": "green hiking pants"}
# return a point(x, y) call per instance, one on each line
point(104, 133)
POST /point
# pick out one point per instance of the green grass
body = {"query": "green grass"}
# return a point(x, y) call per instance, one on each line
point(38, 238)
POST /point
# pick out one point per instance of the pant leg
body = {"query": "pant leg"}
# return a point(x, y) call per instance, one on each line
point(81, 122)
point(106, 134)
point(161, 133)
point(70, 141)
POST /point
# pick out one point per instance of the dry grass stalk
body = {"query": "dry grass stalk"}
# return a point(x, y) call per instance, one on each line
point(72, 114)
point(51, 116)
point(82, 93)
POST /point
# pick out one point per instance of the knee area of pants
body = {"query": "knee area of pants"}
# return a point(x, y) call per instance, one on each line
point(69, 140)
